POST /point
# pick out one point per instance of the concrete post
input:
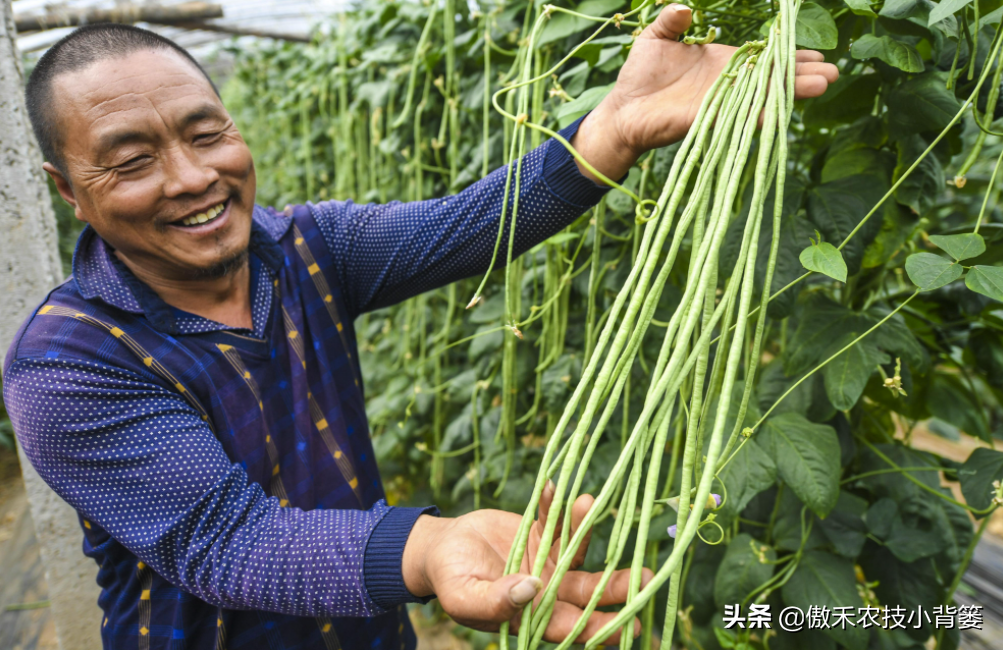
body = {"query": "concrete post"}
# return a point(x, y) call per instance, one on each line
point(29, 268)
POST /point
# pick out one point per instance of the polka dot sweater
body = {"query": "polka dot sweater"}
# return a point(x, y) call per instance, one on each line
point(224, 477)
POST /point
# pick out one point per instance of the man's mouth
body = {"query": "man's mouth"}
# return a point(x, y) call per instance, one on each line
point(204, 217)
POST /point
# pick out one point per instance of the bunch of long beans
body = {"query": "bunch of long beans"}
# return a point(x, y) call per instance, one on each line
point(684, 382)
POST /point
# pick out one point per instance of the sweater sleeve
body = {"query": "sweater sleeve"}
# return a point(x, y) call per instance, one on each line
point(386, 253)
point(138, 460)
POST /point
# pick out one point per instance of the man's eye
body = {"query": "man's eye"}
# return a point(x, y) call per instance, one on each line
point(207, 137)
point(133, 163)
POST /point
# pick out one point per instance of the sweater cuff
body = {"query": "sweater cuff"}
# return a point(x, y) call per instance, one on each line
point(382, 573)
point(562, 176)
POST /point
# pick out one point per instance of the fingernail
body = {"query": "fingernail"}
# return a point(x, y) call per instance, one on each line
point(551, 486)
point(525, 591)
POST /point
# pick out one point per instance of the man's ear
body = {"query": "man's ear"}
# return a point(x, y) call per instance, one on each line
point(63, 187)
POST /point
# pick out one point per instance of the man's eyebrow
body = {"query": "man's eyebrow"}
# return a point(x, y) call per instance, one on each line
point(110, 141)
point(204, 112)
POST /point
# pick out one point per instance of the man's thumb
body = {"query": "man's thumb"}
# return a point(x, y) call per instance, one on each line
point(506, 596)
point(672, 22)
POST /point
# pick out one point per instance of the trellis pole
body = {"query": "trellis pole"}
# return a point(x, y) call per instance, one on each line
point(29, 268)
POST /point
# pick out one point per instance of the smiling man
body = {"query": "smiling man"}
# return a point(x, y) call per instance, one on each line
point(193, 390)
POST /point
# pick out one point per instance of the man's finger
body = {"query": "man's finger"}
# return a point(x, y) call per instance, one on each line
point(808, 86)
point(546, 498)
point(578, 513)
point(671, 23)
point(802, 56)
point(808, 68)
point(566, 615)
point(578, 587)
point(485, 601)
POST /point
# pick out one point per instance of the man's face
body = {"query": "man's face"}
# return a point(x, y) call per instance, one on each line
point(152, 157)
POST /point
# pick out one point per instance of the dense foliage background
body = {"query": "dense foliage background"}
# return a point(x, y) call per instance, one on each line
point(373, 111)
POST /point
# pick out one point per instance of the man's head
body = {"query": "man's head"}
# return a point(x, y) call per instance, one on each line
point(139, 143)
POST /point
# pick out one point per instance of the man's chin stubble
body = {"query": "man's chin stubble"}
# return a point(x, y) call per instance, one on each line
point(224, 267)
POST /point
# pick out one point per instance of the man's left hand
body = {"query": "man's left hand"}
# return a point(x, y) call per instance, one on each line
point(462, 562)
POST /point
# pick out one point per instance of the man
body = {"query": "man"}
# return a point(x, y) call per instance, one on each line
point(193, 390)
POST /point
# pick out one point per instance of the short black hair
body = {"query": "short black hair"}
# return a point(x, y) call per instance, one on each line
point(75, 51)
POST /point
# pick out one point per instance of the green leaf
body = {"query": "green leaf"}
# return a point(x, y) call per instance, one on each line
point(584, 103)
point(826, 580)
point(591, 51)
point(562, 25)
point(807, 457)
point(909, 541)
point(822, 321)
point(789, 527)
point(893, 52)
point(861, 8)
point(960, 247)
point(946, 8)
point(928, 271)
point(845, 526)
point(750, 472)
point(824, 258)
point(921, 188)
point(922, 104)
point(987, 280)
point(991, 18)
point(977, 475)
point(837, 207)
point(851, 97)
point(890, 240)
point(907, 584)
point(741, 571)
point(815, 28)
point(846, 376)
point(485, 343)
point(858, 160)
point(880, 516)
point(952, 401)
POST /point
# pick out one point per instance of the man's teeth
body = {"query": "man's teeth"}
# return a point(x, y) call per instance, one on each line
point(203, 217)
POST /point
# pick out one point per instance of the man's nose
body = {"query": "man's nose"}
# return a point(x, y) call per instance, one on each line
point(187, 173)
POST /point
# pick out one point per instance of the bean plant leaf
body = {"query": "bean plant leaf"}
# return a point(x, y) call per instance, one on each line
point(826, 580)
point(584, 103)
point(861, 8)
point(822, 321)
point(885, 48)
point(836, 208)
point(562, 25)
point(987, 280)
point(911, 538)
point(991, 18)
point(845, 526)
point(950, 399)
point(977, 474)
point(846, 376)
point(740, 572)
point(907, 584)
point(750, 472)
point(922, 104)
point(960, 247)
point(826, 259)
point(928, 271)
point(815, 28)
point(807, 457)
point(858, 160)
point(849, 98)
point(946, 8)
point(920, 189)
